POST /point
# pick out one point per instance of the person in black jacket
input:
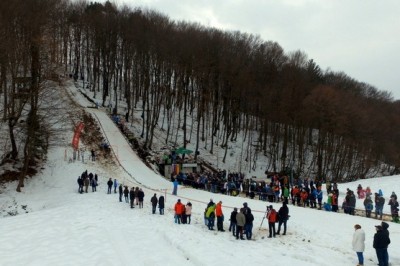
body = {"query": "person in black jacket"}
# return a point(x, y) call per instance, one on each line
point(141, 198)
point(121, 192)
point(109, 184)
point(249, 224)
point(80, 184)
point(232, 225)
point(283, 215)
point(381, 243)
point(154, 202)
point(132, 197)
point(126, 194)
point(161, 204)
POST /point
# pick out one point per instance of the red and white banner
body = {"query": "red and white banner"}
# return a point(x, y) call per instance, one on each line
point(77, 134)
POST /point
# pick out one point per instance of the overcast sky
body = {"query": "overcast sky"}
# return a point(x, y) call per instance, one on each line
point(358, 37)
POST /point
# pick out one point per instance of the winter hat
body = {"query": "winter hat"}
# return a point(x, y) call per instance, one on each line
point(179, 200)
point(384, 225)
point(270, 206)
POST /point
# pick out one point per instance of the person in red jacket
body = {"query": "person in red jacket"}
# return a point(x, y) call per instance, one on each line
point(334, 202)
point(179, 209)
point(220, 217)
point(272, 219)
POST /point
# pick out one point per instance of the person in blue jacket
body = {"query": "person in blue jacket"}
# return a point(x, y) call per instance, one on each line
point(115, 185)
point(369, 206)
point(175, 190)
point(319, 196)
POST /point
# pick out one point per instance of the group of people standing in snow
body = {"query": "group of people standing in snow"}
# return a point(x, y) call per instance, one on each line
point(303, 192)
point(157, 202)
point(380, 244)
point(214, 211)
point(132, 196)
point(217, 182)
point(241, 221)
point(85, 180)
point(182, 213)
point(379, 201)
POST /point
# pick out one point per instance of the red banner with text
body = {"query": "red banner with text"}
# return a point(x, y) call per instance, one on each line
point(77, 134)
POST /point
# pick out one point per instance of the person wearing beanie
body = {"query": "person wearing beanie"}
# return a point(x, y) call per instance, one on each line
point(246, 207)
point(381, 243)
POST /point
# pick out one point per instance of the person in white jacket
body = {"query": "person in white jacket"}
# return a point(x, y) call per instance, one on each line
point(188, 211)
point(359, 243)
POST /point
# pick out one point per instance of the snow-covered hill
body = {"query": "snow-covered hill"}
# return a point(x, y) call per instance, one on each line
point(52, 224)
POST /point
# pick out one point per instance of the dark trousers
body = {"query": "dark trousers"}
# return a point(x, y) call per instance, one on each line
point(239, 231)
point(153, 209)
point(211, 223)
point(284, 222)
point(232, 227)
point(220, 221)
point(383, 256)
point(132, 204)
point(120, 197)
point(249, 230)
point(271, 227)
point(184, 220)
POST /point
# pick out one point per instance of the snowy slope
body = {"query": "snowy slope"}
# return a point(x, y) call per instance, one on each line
point(62, 227)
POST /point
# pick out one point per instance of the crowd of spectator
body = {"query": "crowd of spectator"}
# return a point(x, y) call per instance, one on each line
point(276, 187)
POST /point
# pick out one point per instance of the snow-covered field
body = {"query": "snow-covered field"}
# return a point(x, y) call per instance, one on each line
point(56, 225)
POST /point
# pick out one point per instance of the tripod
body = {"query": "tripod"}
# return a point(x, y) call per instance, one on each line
point(265, 214)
